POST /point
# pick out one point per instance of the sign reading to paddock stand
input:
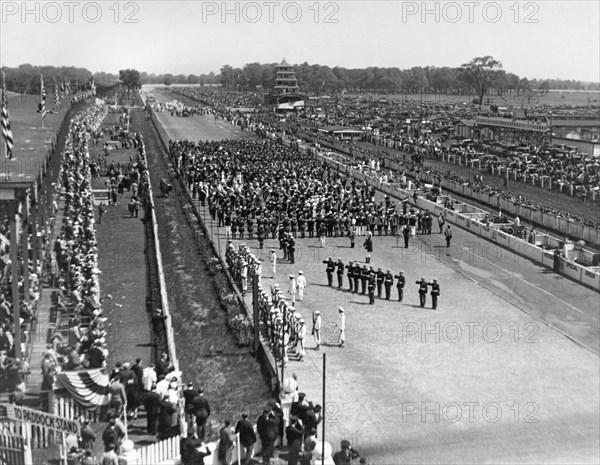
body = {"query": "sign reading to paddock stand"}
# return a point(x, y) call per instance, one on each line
point(43, 419)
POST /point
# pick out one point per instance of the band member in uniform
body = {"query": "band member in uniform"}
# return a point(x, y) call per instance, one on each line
point(406, 234)
point(369, 246)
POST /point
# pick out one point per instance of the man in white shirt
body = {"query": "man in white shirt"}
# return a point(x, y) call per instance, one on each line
point(148, 377)
point(316, 331)
point(292, 290)
point(301, 285)
point(301, 337)
point(342, 338)
point(273, 258)
point(162, 387)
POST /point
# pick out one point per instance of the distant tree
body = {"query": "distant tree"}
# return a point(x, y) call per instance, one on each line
point(131, 80)
point(167, 79)
point(481, 73)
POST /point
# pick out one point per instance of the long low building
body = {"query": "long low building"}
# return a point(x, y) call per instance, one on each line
point(345, 132)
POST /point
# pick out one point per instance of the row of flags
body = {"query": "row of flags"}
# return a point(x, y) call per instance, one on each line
point(60, 91)
point(59, 94)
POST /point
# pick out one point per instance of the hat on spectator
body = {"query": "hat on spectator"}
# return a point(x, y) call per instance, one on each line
point(300, 272)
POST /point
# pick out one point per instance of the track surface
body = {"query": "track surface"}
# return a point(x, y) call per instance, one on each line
point(207, 352)
point(512, 348)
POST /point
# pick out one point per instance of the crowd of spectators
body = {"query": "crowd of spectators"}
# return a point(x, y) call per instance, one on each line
point(217, 98)
point(418, 143)
point(80, 341)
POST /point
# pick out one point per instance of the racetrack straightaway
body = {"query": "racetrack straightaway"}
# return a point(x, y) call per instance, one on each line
point(207, 352)
point(480, 380)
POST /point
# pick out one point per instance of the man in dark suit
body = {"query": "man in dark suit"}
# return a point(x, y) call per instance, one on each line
point(294, 434)
point(138, 370)
point(247, 437)
point(202, 412)
point(189, 394)
point(151, 401)
point(268, 430)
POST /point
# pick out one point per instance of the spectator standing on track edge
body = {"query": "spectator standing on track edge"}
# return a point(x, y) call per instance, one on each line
point(448, 235)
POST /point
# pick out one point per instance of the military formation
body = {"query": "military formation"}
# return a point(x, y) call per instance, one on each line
point(366, 280)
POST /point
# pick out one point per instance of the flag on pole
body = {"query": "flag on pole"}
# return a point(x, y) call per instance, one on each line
point(42, 105)
point(56, 96)
point(5, 121)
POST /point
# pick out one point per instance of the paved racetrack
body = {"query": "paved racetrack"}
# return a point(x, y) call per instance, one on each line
point(504, 371)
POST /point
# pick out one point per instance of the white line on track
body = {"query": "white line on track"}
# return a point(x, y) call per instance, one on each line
point(593, 350)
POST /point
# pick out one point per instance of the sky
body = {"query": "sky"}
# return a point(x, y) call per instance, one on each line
point(533, 39)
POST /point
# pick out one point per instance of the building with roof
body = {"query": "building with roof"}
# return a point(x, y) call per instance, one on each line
point(285, 79)
point(286, 89)
point(342, 132)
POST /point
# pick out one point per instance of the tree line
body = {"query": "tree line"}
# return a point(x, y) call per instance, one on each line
point(25, 78)
point(318, 79)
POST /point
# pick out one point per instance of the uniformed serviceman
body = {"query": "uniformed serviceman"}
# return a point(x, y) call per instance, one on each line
point(356, 274)
point(291, 248)
point(329, 270)
point(422, 292)
point(406, 234)
point(350, 275)
point(380, 275)
point(340, 272)
point(372, 287)
point(364, 277)
point(435, 292)
point(400, 282)
point(316, 329)
point(388, 281)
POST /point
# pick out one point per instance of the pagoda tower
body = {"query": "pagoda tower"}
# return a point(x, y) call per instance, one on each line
point(285, 79)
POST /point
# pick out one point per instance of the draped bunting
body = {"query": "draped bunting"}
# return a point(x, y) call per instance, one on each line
point(89, 388)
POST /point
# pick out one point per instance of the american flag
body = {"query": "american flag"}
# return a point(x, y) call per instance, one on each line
point(42, 105)
point(56, 95)
point(5, 121)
